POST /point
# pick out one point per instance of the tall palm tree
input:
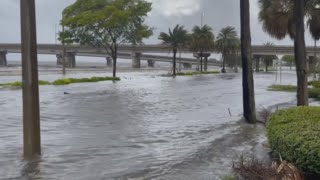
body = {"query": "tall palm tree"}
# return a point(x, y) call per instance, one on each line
point(176, 38)
point(314, 28)
point(284, 17)
point(30, 88)
point(226, 43)
point(249, 107)
point(202, 41)
point(300, 53)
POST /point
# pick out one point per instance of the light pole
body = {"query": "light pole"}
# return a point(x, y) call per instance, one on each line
point(63, 53)
point(30, 86)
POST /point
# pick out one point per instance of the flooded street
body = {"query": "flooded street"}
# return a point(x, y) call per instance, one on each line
point(144, 127)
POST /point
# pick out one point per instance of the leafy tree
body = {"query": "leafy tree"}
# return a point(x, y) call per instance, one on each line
point(288, 59)
point(176, 39)
point(202, 41)
point(249, 107)
point(227, 43)
point(106, 23)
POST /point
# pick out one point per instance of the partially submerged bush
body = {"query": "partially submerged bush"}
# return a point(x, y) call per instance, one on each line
point(19, 84)
point(295, 134)
point(314, 93)
point(315, 84)
point(196, 73)
point(66, 81)
point(287, 88)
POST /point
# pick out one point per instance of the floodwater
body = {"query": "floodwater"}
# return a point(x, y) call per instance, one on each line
point(144, 127)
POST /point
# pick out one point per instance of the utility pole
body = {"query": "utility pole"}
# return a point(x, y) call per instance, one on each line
point(30, 86)
point(55, 34)
point(202, 15)
point(63, 53)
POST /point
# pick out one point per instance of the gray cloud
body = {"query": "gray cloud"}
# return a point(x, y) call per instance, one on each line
point(166, 14)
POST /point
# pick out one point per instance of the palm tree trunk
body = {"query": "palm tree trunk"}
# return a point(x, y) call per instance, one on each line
point(114, 58)
point(223, 63)
point(174, 61)
point(300, 54)
point(257, 64)
point(249, 107)
point(30, 87)
point(201, 62)
point(315, 60)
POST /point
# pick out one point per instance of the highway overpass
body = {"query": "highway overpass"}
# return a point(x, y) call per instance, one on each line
point(137, 53)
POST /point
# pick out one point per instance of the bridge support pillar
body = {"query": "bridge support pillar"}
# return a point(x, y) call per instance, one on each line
point(151, 63)
point(3, 58)
point(205, 63)
point(187, 65)
point(136, 60)
point(109, 61)
point(59, 59)
point(257, 61)
point(70, 60)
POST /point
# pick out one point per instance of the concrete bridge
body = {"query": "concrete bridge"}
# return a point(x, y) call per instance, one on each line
point(135, 53)
point(125, 52)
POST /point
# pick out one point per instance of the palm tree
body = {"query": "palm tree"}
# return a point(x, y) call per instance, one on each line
point(314, 28)
point(176, 38)
point(30, 88)
point(285, 17)
point(249, 106)
point(300, 54)
point(202, 41)
point(226, 43)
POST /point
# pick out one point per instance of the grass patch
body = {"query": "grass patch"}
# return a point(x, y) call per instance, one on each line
point(286, 88)
point(312, 92)
point(19, 84)
point(197, 73)
point(66, 81)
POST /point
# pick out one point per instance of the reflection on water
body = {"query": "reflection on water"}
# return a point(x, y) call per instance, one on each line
point(143, 127)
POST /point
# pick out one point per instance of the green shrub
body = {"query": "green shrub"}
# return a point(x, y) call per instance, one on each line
point(287, 88)
point(41, 82)
point(19, 84)
point(15, 84)
point(197, 73)
point(295, 134)
point(66, 81)
point(314, 93)
point(315, 84)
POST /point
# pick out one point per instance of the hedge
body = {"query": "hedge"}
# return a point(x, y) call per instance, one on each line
point(315, 84)
point(295, 134)
point(197, 73)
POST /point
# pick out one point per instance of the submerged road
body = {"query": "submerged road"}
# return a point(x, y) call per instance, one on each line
point(143, 127)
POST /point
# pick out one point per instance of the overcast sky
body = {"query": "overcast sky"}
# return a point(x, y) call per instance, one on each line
point(165, 14)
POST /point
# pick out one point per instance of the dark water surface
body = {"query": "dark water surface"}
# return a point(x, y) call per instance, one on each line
point(143, 127)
